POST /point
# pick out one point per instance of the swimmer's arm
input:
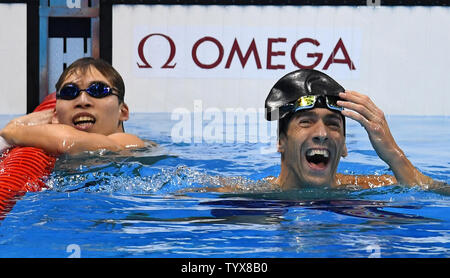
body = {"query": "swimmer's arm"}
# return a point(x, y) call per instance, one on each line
point(363, 110)
point(59, 138)
point(405, 170)
point(410, 175)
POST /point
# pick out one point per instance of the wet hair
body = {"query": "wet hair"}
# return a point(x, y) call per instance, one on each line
point(83, 65)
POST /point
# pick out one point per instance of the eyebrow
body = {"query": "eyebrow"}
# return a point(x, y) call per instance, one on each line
point(98, 81)
point(310, 113)
point(68, 83)
point(90, 83)
point(334, 116)
point(307, 113)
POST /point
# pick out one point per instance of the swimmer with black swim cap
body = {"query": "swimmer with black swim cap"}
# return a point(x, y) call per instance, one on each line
point(309, 106)
point(302, 90)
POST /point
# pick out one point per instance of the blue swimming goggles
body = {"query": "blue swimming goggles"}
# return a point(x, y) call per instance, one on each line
point(311, 101)
point(96, 90)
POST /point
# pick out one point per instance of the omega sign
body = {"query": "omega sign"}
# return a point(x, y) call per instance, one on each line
point(236, 54)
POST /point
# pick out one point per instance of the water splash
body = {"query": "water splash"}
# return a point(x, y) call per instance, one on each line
point(136, 178)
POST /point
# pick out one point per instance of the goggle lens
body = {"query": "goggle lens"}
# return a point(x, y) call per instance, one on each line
point(306, 102)
point(97, 90)
point(68, 92)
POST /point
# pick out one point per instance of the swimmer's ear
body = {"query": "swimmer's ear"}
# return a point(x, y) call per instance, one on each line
point(345, 152)
point(281, 143)
point(124, 112)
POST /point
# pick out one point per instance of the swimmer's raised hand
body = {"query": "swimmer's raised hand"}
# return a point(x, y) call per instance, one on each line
point(364, 111)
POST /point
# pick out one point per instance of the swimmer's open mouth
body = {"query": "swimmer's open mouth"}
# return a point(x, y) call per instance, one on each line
point(318, 158)
point(83, 122)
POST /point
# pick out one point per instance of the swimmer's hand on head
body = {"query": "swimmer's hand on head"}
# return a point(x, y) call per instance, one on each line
point(364, 111)
point(41, 130)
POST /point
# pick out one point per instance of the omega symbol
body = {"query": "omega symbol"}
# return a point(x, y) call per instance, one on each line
point(146, 64)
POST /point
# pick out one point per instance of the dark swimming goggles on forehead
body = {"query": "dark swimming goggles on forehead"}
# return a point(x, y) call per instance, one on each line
point(96, 90)
point(311, 101)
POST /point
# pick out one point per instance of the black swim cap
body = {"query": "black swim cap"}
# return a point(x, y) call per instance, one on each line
point(295, 84)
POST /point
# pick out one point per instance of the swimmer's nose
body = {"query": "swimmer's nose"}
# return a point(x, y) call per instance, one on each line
point(83, 100)
point(320, 134)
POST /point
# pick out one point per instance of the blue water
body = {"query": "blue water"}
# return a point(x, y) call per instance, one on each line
point(155, 203)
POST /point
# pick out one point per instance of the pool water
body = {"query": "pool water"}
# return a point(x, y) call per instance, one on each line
point(158, 202)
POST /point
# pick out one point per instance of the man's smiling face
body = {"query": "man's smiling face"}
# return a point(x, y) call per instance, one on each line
point(312, 147)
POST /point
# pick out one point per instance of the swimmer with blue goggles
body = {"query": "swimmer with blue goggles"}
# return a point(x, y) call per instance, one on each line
point(78, 124)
